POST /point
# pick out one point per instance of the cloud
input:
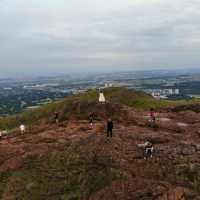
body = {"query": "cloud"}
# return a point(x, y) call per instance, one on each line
point(94, 35)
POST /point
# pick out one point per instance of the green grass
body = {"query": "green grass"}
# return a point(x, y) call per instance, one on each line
point(66, 175)
point(46, 112)
point(3, 182)
point(146, 104)
point(136, 99)
point(141, 100)
point(190, 176)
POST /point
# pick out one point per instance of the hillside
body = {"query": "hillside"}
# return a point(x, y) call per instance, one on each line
point(74, 162)
point(68, 106)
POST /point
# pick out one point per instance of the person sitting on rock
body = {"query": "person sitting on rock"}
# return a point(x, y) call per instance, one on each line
point(109, 128)
point(148, 150)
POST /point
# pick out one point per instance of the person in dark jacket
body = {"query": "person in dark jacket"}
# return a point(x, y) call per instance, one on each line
point(56, 117)
point(91, 119)
point(91, 116)
point(109, 127)
point(152, 115)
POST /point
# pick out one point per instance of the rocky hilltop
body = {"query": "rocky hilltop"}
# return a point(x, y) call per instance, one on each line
point(72, 161)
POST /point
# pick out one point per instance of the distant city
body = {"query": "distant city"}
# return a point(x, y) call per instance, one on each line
point(23, 94)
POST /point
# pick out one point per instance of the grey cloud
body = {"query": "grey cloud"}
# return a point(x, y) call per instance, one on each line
point(37, 37)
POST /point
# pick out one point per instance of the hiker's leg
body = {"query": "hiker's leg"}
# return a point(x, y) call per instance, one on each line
point(149, 153)
point(107, 132)
point(145, 153)
point(110, 132)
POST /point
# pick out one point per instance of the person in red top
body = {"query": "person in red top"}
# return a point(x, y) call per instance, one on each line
point(152, 114)
point(152, 117)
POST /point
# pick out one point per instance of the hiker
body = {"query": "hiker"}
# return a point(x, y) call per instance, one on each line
point(1, 134)
point(91, 119)
point(56, 117)
point(152, 117)
point(22, 128)
point(148, 150)
point(109, 127)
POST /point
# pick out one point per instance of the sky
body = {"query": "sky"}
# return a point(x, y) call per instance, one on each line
point(75, 36)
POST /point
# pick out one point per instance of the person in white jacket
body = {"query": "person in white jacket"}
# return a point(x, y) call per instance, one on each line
point(22, 128)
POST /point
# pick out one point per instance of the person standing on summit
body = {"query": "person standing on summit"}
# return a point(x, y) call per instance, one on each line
point(109, 128)
point(91, 119)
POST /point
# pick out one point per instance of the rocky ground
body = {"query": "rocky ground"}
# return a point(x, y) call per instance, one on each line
point(74, 161)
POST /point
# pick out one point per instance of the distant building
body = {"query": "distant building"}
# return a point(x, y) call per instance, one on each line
point(107, 85)
point(176, 91)
point(170, 91)
point(163, 93)
point(156, 95)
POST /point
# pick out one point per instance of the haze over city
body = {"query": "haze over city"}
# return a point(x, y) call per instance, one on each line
point(54, 37)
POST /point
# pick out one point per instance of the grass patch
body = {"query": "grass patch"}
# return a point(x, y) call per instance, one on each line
point(59, 176)
point(190, 175)
point(3, 181)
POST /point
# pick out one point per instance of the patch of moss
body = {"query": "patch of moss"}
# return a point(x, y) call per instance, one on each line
point(66, 175)
point(3, 181)
point(190, 175)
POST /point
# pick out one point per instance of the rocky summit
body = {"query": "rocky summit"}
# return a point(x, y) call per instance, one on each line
point(73, 160)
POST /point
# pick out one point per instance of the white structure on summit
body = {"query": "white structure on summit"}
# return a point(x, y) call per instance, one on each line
point(102, 98)
point(22, 128)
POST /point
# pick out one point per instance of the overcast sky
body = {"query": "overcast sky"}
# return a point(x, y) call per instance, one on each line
point(62, 36)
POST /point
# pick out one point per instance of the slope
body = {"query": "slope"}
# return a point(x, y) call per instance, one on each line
point(73, 162)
